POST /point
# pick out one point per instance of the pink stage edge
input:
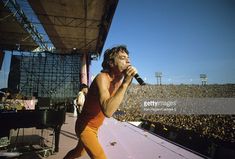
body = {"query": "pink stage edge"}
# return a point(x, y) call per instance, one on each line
point(122, 140)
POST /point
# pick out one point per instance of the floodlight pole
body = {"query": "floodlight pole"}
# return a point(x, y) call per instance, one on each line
point(158, 75)
point(203, 79)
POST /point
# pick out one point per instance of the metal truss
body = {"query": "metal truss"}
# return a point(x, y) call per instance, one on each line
point(70, 21)
point(15, 8)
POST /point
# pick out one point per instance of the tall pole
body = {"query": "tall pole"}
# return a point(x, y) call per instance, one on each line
point(158, 75)
point(84, 69)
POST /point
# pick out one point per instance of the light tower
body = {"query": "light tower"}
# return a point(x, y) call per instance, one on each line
point(158, 75)
point(203, 79)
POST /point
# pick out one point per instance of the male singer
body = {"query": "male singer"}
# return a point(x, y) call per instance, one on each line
point(103, 99)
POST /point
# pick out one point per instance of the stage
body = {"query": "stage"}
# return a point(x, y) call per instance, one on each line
point(119, 140)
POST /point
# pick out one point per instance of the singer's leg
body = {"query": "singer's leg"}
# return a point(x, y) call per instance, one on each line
point(76, 152)
point(91, 144)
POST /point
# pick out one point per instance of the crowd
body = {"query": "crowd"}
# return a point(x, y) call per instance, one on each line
point(219, 126)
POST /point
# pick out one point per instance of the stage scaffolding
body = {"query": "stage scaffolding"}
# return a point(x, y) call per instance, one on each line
point(46, 75)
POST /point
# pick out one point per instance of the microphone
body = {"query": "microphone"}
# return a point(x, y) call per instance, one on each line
point(139, 80)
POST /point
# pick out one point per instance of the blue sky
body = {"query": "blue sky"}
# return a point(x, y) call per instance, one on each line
point(180, 38)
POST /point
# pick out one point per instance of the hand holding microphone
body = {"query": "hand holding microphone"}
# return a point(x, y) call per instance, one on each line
point(138, 78)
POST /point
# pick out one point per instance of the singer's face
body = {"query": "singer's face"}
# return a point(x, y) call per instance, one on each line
point(121, 61)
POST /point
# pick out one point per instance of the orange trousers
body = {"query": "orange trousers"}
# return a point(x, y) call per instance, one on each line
point(88, 141)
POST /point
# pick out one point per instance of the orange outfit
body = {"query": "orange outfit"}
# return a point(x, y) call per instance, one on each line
point(87, 125)
point(92, 113)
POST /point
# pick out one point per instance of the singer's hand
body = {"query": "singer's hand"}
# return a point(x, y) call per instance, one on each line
point(130, 73)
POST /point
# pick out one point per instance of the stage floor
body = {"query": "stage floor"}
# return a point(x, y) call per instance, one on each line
point(120, 140)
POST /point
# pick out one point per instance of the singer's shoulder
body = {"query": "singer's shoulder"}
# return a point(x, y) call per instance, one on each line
point(102, 81)
point(103, 77)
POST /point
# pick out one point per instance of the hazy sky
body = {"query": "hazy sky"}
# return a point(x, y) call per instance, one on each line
point(180, 38)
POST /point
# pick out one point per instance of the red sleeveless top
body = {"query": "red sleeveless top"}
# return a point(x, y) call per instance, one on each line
point(92, 114)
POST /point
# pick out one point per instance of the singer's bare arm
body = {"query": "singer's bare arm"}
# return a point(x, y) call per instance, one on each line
point(109, 104)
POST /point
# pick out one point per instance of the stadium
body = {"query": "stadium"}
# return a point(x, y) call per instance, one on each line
point(48, 50)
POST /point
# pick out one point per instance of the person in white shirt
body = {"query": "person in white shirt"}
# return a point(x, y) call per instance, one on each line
point(75, 107)
point(81, 97)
